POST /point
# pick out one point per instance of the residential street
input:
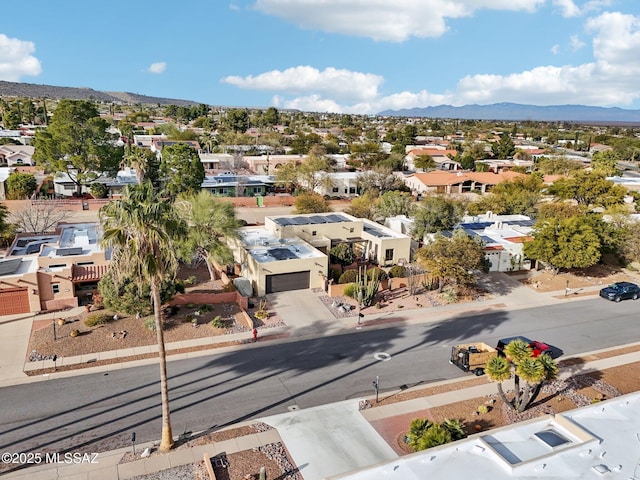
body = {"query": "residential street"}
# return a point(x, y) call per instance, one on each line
point(101, 410)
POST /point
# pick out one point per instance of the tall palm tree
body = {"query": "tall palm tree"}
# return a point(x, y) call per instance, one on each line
point(210, 222)
point(141, 229)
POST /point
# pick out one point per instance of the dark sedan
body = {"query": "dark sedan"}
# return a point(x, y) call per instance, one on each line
point(621, 291)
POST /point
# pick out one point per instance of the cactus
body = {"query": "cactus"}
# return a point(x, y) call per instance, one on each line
point(263, 473)
point(367, 288)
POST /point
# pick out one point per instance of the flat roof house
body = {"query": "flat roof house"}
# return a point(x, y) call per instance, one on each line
point(599, 441)
point(292, 251)
point(52, 270)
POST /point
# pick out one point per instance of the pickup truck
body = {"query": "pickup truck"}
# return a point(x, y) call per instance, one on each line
point(472, 357)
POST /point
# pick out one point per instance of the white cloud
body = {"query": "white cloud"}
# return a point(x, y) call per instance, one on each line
point(567, 7)
point(158, 67)
point(610, 79)
point(385, 20)
point(16, 59)
point(555, 49)
point(337, 83)
point(576, 43)
point(616, 39)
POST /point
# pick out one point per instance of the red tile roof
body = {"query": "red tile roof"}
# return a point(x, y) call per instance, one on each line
point(442, 177)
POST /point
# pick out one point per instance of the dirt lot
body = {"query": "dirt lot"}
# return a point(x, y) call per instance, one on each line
point(597, 275)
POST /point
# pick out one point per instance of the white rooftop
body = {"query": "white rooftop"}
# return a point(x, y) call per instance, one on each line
point(265, 247)
point(72, 239)
point(600, 441)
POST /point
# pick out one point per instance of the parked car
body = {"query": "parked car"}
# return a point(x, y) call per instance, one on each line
point(536, 346)
point(621, 291)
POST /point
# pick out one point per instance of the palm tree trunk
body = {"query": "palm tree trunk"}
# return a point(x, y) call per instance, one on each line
point(166, 441)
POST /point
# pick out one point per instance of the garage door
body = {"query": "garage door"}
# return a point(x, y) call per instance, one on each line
point(14, 300)
point(284, 282)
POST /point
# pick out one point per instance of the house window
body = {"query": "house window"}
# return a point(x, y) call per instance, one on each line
point(388, 255)
point(55, 288)
point(58, 265)
point(81, 264)
point(314, 233)
point(335, 189)
point(352, 189)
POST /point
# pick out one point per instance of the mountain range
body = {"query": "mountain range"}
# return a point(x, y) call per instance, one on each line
point(31, 90)
point(496, 111)
point(519, 112)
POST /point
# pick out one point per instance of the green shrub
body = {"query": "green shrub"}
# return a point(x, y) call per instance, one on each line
point(450, 295)
point(351, 290)
point(95, 319)
point(98, 190)
point(376, 272)
point(349, 276)
point(205, 308)
point(217, 322)
point(178, 286)
point(436, 435)
point(397, 271)
point(334, 274)
point(150, 324)
point(482, 409)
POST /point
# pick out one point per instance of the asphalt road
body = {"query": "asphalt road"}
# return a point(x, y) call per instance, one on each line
point(98, 412)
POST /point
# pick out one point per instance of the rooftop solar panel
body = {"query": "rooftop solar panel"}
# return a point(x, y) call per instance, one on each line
point(9, 267)
point(282, 254)
point(337, 218)
point(33, 248)
point(63, 252)
point(282, 221)
point(476, 225)
point(376, 232)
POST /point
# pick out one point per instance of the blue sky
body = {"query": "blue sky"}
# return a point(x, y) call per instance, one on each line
point(349, 56)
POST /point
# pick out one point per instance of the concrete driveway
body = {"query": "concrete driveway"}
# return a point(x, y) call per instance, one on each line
point(303, 312)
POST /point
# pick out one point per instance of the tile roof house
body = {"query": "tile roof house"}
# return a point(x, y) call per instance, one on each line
point(17, 155)
point(440, 181)
point(441, 157)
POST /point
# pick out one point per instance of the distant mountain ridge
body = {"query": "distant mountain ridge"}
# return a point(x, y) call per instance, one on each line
point(519, 112)
point(31, 90)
